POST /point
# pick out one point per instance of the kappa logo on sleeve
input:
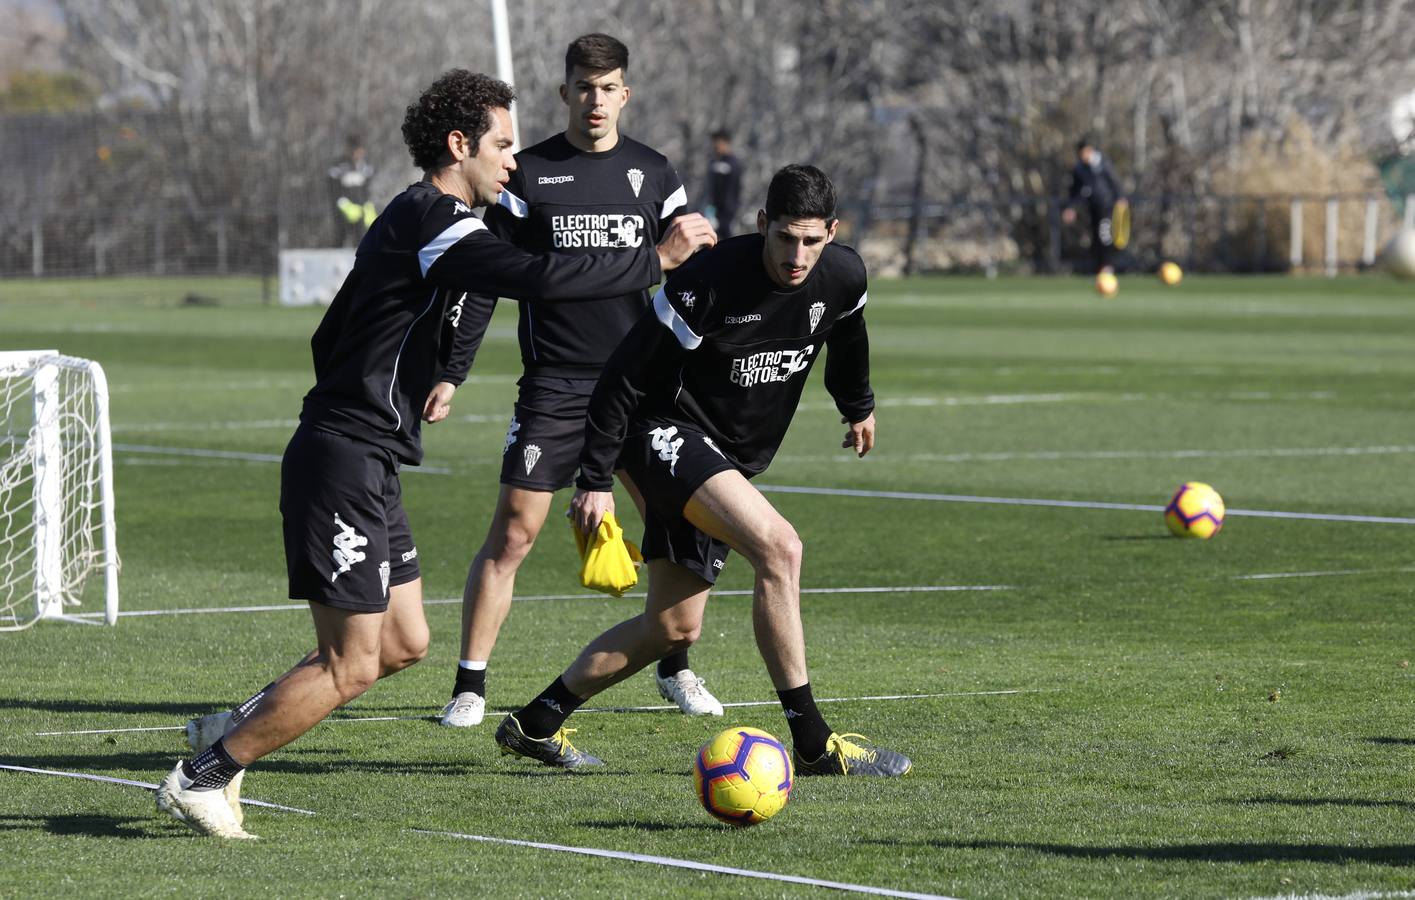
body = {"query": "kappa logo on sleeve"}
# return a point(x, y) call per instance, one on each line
point(346, 547)
point(460, 209)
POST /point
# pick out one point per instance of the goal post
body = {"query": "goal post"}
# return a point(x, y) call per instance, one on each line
point(56, 488)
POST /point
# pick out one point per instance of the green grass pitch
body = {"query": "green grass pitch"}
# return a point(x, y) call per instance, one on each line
point(1178, 729)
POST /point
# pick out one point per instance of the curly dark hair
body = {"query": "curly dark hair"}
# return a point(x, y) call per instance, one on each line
point(457, 101)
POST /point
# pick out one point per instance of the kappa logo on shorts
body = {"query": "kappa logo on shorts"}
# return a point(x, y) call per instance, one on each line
point(707, 440)
point(383, 570)
point(346, 547)
point(511, 435)
point(667, 447)
point(817, 310)
point(636, 179)
point(530, 456)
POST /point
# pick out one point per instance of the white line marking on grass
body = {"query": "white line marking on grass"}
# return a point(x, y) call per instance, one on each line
point(589, 709)
point(583, 595)
point(1067, 504)
point(1263, 576)
point(1086, 455)
point(686, 864)
point(203, 453)
point(1358, 895)
point(108, 779)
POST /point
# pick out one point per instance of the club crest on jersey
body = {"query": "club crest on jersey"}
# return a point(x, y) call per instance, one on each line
point(530, 455)
point(817, 310)
point(636, 179)
point(666, 443)
point(511, 435)
point(687, 299)
point(346, 547)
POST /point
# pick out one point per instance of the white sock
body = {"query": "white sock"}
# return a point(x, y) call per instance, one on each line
point(473, 664)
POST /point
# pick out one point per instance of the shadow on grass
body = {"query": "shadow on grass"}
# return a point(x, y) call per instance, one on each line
point(161, 762)
point(1328, 801)
point(1224, 851)
point(1137, 537)
point(186, 709)
point(85, 824)
point(1398, 741)
point(652, 826)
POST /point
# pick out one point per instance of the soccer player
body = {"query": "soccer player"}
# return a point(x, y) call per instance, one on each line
point(348, 547)
point(723, 190)
point(697, 400)
point(1093, 182)
point(586, 189)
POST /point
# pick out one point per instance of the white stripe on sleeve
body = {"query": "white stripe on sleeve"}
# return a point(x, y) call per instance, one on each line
point(513, 204)
point(434, 248)
point(674, 322)
point(858, 306)
point(676, 201)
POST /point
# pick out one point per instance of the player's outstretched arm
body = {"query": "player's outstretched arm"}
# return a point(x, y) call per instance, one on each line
point(471, 258)
point(688, 234)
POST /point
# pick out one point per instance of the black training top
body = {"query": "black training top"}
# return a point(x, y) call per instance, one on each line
point(391, 327)
point(1095, 184)
point(725, 351)
point(569, 200)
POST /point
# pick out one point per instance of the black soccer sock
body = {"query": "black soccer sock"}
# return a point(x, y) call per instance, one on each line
point(544, 715)
point(239, 713)
point(470, 680)
point(672, 664)
point(212, 769)
point(808, 729)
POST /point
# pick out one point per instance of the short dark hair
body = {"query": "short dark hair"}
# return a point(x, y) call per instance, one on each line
point(721, 134)
point(457, 101)
point(596, 53)
point(1084, 142)
point(800, 192)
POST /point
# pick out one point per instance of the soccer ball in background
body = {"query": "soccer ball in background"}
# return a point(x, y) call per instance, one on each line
point(1107, 285)
point(1399, 255)
point(1170, 273)
point(1195, 511)
point(743, 776)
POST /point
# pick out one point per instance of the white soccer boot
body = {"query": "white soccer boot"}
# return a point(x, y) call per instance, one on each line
point(465, 710)
point(204, 731)
point(687, 690)
point(205, 812)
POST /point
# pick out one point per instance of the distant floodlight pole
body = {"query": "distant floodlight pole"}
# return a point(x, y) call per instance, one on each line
point(501, 36)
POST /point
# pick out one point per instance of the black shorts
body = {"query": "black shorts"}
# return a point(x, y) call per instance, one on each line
point(668, 464)
point(546, 433)
point(347, 538)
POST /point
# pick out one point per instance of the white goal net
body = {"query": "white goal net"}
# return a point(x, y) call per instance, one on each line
point(56, 488)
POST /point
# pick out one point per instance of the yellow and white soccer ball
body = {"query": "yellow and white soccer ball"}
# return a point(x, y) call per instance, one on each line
point(1170, 273)
point(1399, 255)
point(1195, 511)
point(743, 776)
point(1107, 285)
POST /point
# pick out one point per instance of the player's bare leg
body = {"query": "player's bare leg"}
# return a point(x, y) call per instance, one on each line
point(671, 621)
point(672, 676)
point(491, 582)
point(403, 641)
